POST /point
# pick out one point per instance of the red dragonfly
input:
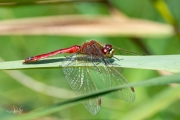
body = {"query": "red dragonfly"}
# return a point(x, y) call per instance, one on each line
point(90, 53)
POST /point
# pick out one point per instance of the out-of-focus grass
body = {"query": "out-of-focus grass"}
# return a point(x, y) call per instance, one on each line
point(20, 47)
point(152, 82)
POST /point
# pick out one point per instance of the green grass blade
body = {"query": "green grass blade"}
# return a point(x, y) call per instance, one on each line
point(57, 107)
point(164, 11)
point(156, 104)
point(162, 62)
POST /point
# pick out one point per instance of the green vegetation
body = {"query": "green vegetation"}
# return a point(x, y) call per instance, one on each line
point(148, 27)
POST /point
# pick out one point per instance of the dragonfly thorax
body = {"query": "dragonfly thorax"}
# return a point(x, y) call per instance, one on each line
point(108, 51)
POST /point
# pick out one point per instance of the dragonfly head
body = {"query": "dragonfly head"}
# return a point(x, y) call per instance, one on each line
point(108, 51)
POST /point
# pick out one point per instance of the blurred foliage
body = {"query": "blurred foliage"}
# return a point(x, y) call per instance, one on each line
point(20, 47)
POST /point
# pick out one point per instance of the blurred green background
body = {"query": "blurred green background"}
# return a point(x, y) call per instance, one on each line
point(18, 47)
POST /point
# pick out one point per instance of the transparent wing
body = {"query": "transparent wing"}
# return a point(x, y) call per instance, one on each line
point(80, 80)
point(120, 51)
point(116, 79)
point(111, 77)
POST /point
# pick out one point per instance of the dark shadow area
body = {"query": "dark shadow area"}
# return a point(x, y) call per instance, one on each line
point(53, 60)
point(45, 61)
point(111, 60)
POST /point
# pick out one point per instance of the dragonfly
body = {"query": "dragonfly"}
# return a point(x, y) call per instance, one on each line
point(97, 55)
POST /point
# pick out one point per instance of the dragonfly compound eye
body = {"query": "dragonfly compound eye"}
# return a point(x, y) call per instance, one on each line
point(108, 46)
point(108, 52)
point(105, 50)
